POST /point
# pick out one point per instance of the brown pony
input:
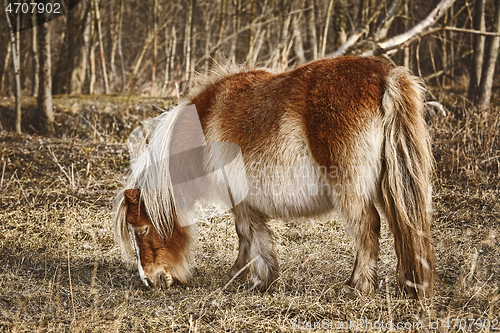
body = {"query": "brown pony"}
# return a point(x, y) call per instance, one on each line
point(344, 135)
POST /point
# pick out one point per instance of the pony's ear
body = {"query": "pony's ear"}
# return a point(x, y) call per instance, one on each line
point(132, 196)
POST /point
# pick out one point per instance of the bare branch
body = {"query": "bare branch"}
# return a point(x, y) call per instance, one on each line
point(430, 20)
point(421, 27)
point(428, 32)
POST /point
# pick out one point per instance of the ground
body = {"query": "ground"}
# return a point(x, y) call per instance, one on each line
point(60, 270)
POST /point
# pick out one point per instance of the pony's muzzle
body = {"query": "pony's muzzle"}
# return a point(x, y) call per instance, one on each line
point(161, 280)
point(166, 280)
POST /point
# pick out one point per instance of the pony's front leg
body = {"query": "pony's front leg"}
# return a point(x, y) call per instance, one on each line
point(366, 233)
point(255, 246)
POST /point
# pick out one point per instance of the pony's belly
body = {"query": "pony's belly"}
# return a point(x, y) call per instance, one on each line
point(289, 192)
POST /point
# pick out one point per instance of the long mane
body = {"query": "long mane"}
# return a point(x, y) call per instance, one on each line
point(150, 172)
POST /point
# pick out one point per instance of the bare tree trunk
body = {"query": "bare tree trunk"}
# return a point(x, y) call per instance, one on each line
point(312, 28)
point(36, 60)
point(341, 22)
point(452, 36)
point(174, 49)
point(476, 65)
point(120, 53)
point(101, 47)
point(187, 42)
point(297, 35)
point(221, 26)
point(251, 41)
point(69, 74)
point(62, 68)
point(208, 24)
point(168, 50)
point(78, 36)
point(236, 27)
point(285, 48)
point(406, 51)
point(258, 43)
point(114, 43)
point(14, 41)
point(92, 48)
point(18, 78)
point(155, 46)
point(5, 68)
point(325, 32)
point(444, 52)
point(488, 71)
point(44, 100)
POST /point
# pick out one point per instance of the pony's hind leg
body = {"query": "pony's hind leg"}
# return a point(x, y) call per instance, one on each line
point(365, 229)
point(255, 246)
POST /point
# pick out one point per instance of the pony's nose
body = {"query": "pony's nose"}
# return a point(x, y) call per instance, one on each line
point(167, 279)
point(163, 280)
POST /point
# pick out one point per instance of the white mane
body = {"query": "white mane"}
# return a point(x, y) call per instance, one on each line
point(150, 172)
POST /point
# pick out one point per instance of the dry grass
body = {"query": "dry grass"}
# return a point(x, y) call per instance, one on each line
point(60, 271)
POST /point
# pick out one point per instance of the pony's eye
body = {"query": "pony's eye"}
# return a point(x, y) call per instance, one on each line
point(143, 232)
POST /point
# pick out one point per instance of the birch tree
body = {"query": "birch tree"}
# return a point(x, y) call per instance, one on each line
point(476, 65)
point(491, 53)
point(92, 48)
point(101, 47)
point(36, 59)
point(155, 46)
point(429, 21)
point(14, 41)
point(5, 67)
point(120, 52)
point(325, 32)
point(187, 41)
point(44, 100)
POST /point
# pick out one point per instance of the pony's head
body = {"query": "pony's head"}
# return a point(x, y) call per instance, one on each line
point(160, 259)
point(146, 224)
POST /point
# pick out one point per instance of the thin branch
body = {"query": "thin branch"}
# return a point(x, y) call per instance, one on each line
point(470, 31)
point(423, 34)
